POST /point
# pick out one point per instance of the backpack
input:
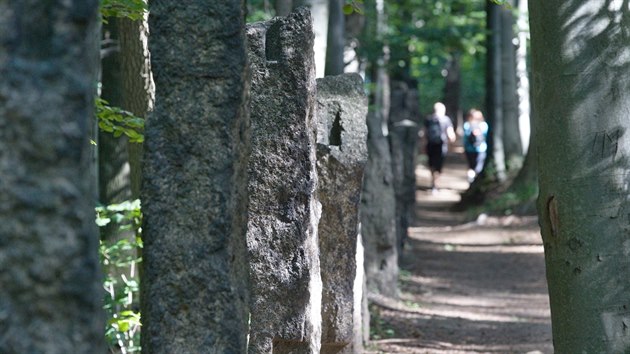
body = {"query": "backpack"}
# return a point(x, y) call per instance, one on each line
point(434, 131)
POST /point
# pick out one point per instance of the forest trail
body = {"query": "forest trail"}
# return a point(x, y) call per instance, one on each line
point(476, 287)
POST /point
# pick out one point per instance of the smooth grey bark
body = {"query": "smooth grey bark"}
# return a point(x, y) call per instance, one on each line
point(527, 178)
point(511, 134)
point(194, 288)
point(319, 11)
point(581, 102)
point(136, 85)
point(51, 295)
point(522, 75)
point(113, 160)
point(494, 105)
point(283, 209)
point(113, 168)
point(452, 89)
point(526, 181)
point(336, 38)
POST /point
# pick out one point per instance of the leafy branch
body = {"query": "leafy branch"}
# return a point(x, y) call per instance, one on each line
point(131, 9)
point(117, 121)
point(353, 6)
point(120, 259)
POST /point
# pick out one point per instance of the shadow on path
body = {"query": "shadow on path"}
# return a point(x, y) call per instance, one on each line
point(476, 287)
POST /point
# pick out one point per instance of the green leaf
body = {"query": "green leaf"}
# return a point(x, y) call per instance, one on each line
point(118, 121)
point(131, 9)
point(102, 221)
point(348, 9)
point(123, 326)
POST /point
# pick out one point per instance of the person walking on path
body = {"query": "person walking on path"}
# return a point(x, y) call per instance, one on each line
point(438, 132)
point(475, 146)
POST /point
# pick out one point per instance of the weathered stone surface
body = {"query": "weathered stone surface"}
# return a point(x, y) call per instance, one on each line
point(378, 213)
point(194, 293)
point(341, 159)
point(283, 209)
point(404, 124)
point(50, 280)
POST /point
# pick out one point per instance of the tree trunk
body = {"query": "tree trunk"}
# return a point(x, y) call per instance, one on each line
point(113, 185)
point(511, 135)
point(113, 160)
point(526, 181)
point(525, 184)
point(283, 7)
point(522, 75)
point(137, 86)
point(452, 88)
point(581, 94)
point(194, 288)
point(496, 153)
point(51, 295)
point(336, 38)
point(319, 12)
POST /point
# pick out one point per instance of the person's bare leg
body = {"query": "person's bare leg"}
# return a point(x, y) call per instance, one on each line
point(435, 175)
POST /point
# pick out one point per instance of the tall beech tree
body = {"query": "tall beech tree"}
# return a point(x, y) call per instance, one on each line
point(137, 87)
point(512, 145)
point(51, 295)
point(336, 38)
point(320, 13)
point(494, 96)
point(581, 102)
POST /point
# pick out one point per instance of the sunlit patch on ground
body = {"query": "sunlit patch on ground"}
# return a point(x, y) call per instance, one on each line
point(466, 286)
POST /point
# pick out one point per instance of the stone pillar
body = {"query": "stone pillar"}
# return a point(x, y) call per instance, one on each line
point(404, 125)
point(341, 158)
point(283, 210)
point(51, 296)
point(194, 286)
point(378, 213)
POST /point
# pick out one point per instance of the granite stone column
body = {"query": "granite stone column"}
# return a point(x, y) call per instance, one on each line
point(378, 212)
point(341, 159)
point(404, 125)
point(283, 211)
point(194, 285)
point(51, 296)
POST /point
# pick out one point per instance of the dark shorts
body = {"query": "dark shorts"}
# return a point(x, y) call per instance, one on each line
point(436, 157)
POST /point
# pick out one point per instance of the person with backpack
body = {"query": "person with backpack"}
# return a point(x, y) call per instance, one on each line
point(438, 130)
point(475, 146)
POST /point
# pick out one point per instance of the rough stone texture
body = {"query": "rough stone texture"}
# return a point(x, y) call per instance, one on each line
point(50, 280)
point(341, 159)
point(378, 213)
point(403, 139)
point(194, 293)
point(283, 209)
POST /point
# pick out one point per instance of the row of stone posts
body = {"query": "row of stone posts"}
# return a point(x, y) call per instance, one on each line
point(291, 187)
point(305, 173)
point(253, 193)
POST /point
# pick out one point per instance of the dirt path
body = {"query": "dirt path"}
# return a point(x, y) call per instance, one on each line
point(474, 287)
